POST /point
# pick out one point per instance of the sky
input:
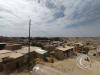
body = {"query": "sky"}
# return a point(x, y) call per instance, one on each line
point(50, 18)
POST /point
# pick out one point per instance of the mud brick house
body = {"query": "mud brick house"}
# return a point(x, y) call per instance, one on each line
point(3, 54)
point(64, 52)
point(13, 62)
point(9, 60)
point(78, 47)
point(40, 53)
point(35, 52)
point(13, 46)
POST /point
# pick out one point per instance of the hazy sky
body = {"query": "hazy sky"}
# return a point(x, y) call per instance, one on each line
point(50, 18)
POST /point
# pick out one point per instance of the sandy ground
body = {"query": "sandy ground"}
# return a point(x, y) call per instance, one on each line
point(65, 67)
point(70, 67)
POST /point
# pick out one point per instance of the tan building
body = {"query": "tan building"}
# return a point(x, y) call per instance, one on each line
point(13, 62)
point(16, 59)
point(9, 61)
point(64, 52)
point(34, 50)
point(78, 47)
point(13, 46)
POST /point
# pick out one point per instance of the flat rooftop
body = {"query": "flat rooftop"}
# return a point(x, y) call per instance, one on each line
point(25, 50)
point(5, 51)
point(79, 43)
point(64, 48)
point(15, 55)
point(9, 54)
point(20, 52)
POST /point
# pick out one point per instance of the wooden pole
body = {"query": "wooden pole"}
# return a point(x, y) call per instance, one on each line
point(29, 44)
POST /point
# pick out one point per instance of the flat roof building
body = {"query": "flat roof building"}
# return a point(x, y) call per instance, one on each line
point(13, 46)
point(64, 52)
point(13, 59)
point(78, 46)
point(25, 50)
point(4, 54)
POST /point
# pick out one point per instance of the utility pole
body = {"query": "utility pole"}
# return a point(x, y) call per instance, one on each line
point(29, 44)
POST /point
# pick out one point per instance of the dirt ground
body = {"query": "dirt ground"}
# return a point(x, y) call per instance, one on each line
point(66, 67)
point(69, 66)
